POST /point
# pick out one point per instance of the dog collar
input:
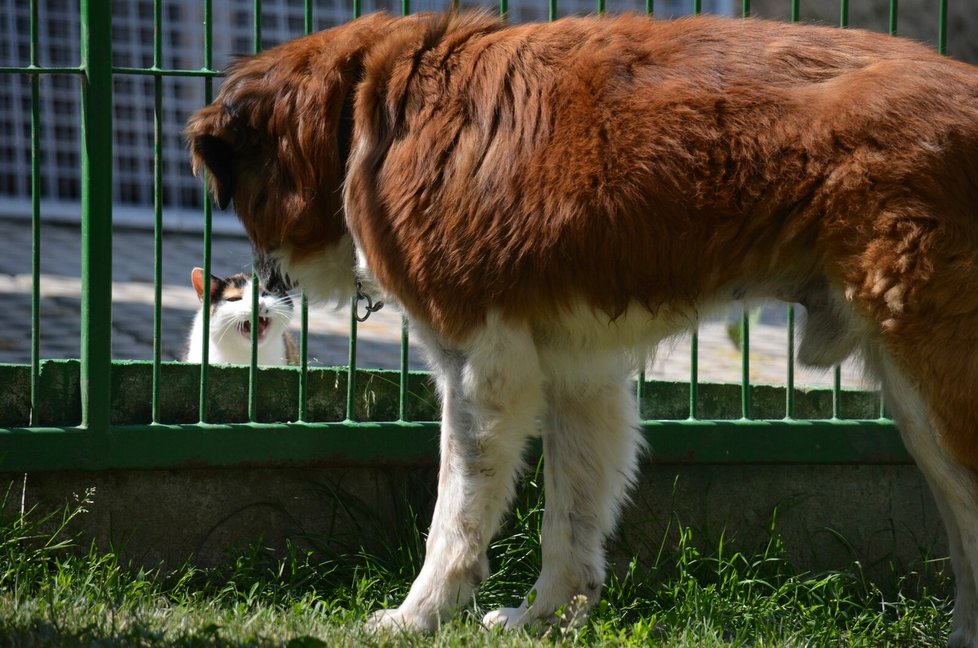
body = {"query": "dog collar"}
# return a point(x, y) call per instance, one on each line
point(371, 307)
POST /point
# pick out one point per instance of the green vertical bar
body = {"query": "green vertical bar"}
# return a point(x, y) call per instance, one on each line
point(649, 7)
point(256, 27)
point(843, 13)
point(307, 27)
point(405, 7)
point(836, 391)
point(304, 360)
point(157, 207)
point(694, 374)
point(795, 10)
point(253, 361)
point(697, 7)
point(208, 222)
point(600, 7)
point(789, 404)
point(96, 212)
point(551, 10)
point(351, 375)
point(942, 27)
point(745, 8)
point(640, 393)
point(208, 36)
point(504, 8)
point(351, 369)
point(35, 221)
point(402, 406)
point(745, 364)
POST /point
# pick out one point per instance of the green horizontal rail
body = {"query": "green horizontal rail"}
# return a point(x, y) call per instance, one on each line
point(38, 69)
point(170, 72)
point(198, 445)
point(150, 71)
point(382, 443)
point(381, 435)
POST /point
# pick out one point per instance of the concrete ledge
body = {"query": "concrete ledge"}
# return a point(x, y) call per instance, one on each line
point(827, 515)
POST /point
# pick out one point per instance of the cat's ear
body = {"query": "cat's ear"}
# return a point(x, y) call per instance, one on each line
point(218, 156)
point(197, 279)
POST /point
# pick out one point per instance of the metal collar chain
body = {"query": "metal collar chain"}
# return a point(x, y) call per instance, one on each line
point(371, 307)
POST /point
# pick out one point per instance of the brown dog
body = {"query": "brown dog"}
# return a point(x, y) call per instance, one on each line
point(548, 201)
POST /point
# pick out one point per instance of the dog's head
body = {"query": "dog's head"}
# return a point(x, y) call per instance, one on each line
point(276, 138)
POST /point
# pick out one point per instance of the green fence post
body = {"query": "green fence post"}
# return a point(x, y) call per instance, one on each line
point(745, 396)
point(35, 222)
point(789, 397)
point(96, 231)
point(942, 27)
point(203, 407)
point(157, 207)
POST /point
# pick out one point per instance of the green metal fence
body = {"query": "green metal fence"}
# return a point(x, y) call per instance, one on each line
point(95, 413)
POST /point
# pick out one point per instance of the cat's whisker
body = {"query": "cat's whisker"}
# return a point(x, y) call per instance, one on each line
point(227, 325)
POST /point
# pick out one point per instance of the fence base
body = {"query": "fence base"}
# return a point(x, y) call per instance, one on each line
point(828, 515)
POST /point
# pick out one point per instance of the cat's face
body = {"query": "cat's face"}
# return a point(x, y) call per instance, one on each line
point(231, 298)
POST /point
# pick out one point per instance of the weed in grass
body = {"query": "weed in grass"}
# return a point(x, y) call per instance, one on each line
point(54, 592)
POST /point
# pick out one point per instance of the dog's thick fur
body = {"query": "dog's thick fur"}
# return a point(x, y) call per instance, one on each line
point(547, 201)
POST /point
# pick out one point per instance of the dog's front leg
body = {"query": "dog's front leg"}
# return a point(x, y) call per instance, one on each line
point(591, 445)
point(491, 398)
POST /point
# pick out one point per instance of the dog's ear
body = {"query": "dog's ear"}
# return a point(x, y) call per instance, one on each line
point(212, 139)
point(218, 156)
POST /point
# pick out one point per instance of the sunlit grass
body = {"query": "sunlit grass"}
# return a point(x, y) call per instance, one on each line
point(56, 593)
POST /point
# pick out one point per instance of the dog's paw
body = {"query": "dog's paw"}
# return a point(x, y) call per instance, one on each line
point(506, 618)
point(395, 620)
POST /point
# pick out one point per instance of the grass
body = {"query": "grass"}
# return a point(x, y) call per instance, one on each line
point(54, 592)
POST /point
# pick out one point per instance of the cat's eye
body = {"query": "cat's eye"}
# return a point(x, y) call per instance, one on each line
point(235, 298)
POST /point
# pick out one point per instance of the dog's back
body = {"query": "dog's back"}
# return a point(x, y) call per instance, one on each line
point(731, 141)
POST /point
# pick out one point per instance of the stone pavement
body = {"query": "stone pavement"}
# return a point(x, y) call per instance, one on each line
point(378, 338)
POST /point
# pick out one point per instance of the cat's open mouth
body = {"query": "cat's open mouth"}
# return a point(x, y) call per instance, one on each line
point(245, 328)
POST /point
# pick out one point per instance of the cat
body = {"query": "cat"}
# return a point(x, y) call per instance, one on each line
point(230, 323)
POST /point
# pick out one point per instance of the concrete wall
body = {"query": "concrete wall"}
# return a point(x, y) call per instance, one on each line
point(884, 512)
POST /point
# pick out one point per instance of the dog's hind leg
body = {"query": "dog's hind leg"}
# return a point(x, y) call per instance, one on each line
point(492, 396)
point(954, 486)
point(591, 445)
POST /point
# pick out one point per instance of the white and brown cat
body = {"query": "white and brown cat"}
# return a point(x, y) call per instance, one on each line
point(230, 323)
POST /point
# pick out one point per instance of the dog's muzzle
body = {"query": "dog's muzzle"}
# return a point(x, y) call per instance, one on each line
point(270, 274)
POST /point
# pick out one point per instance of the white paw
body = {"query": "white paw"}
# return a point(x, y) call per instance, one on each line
point(395, 620)
point(506, 618)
